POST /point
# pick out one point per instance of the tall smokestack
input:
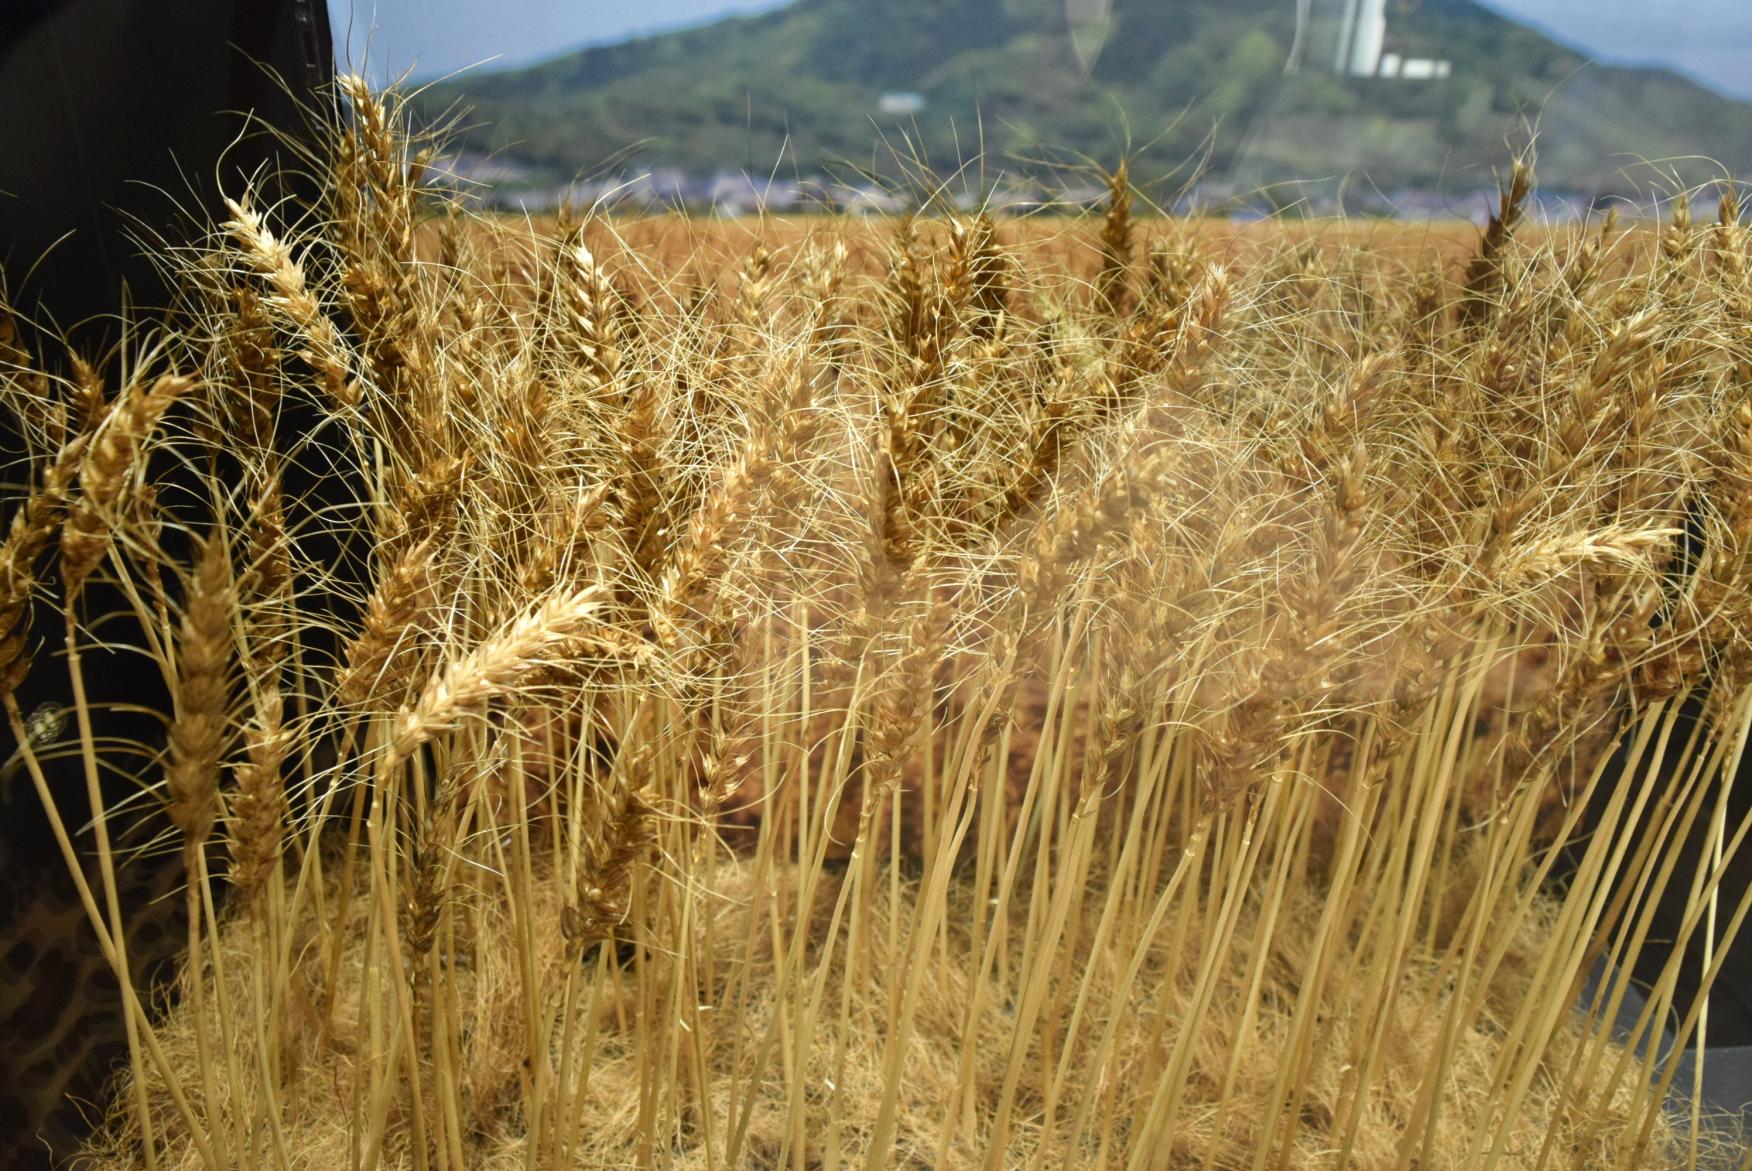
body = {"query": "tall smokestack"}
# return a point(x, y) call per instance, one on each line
point(1347, 28)
point(1368, 39)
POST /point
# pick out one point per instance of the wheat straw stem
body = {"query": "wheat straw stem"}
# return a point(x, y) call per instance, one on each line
point(140, 1032)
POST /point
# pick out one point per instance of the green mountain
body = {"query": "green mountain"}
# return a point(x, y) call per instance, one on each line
point(801, 89)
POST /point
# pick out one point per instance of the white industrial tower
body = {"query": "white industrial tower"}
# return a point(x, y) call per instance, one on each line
point(1361, 36)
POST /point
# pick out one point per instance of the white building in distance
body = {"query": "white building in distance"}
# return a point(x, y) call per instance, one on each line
point(900, 103)
point(1361, 47)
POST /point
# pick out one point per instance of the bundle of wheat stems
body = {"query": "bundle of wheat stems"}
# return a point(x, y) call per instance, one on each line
point(955, 693)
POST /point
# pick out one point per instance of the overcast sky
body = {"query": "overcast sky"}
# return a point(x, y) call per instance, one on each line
point(1709, 39)
point(436, 36)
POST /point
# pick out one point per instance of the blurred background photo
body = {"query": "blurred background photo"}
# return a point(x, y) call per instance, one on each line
point(1393, 107)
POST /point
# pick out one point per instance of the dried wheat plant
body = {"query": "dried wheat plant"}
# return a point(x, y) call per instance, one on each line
point(967, 694)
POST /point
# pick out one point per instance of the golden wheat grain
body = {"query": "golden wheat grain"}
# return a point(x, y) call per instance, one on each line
point(556, 629)
point(290, 297)
point(198, 734)
point(34, 524)
point(1112, 284)
point(258, 811)
point(108, 463)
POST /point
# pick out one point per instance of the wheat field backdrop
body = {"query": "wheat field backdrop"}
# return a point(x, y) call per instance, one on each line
point(933, 693)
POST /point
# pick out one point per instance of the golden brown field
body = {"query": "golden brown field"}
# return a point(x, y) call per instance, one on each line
point(938, 693)
point(674, 247)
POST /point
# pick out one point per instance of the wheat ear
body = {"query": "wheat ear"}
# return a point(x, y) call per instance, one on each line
point(104, 472)
point(197, 735)
point(291, 299)
point(33, 527)
point(556, 630)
